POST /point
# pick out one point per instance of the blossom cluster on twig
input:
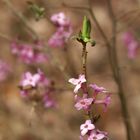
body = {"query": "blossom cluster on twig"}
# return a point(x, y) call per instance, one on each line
point(38, 88)
point(85, 102)
point(63, 32)
point(29, 53)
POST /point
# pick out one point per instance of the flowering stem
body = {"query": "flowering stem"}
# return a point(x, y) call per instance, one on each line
point(115, 66)
point(84, 71)
point(84, 60)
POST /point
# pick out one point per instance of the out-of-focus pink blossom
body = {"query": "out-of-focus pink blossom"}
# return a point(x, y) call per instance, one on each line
point(15, 48)
point(44, 81)
point(57, 39)
point(131, 43)
point(30, 80)
point(24, 93)
point(87, 126)
point(40, 58)
point(105, 101)
point(81, 138)
point(4, 70)
point(84, 103)
point(77, 82)
point(63, 32)
point(60, 37)
point(94, 135)
point(28, 53)
point(60, 19)
point(41, 85)
point(49, 102)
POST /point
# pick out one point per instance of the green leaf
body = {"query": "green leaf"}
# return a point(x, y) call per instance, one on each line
point(36, 10)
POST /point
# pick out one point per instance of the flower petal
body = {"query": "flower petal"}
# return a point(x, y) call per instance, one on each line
point(73, 81)
point(84, 131)
point(77, 88)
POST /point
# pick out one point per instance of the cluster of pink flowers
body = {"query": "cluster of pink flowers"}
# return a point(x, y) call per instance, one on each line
point(85, 102)
point(131, 43)
point(37, 85)
point(88, 128)
point(28, 53)
point(4, 70)
point(63, 32)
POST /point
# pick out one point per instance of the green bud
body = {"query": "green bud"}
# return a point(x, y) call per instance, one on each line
point(93, 43)
point(86, 29)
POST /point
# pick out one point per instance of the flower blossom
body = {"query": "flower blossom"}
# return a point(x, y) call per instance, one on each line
point(87, 126)
point(43, 90)
point(60, 19)
point(30, 80)
point(77, 82)
point(97, 89)
point(49, 102)
point(43, 81)
point(94, 135)
point(59, 38)
point(131, 43)
point(105, 101)
point(63, 31)
point(28, 53)
point(84, 103)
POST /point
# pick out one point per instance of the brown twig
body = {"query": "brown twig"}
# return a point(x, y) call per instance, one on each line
point(84, 60)
point(84, 71)
point(24, 20)
point(5, 37)
point(118, 77)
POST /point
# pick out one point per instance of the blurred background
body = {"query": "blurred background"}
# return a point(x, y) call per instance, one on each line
point(18, 119)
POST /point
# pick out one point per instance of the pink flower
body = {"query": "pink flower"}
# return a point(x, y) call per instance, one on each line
point(87, 126)
point(24, 93)
point(57, 39)
point(63, 32)
point(81, 138)
point(97, 89)
point(29, 53)
point(15, 48)
point(30, 80)
point(40, 57)
point(43, 81)
point(94, 135)
point(84, 103)
point(77, 82)
point(26, 54)
point(60, 37)
point(131, 43)
point(60, 19)
point(49, 102)
point(105, 101)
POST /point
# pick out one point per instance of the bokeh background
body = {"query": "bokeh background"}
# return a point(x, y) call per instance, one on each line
point(18, 121)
